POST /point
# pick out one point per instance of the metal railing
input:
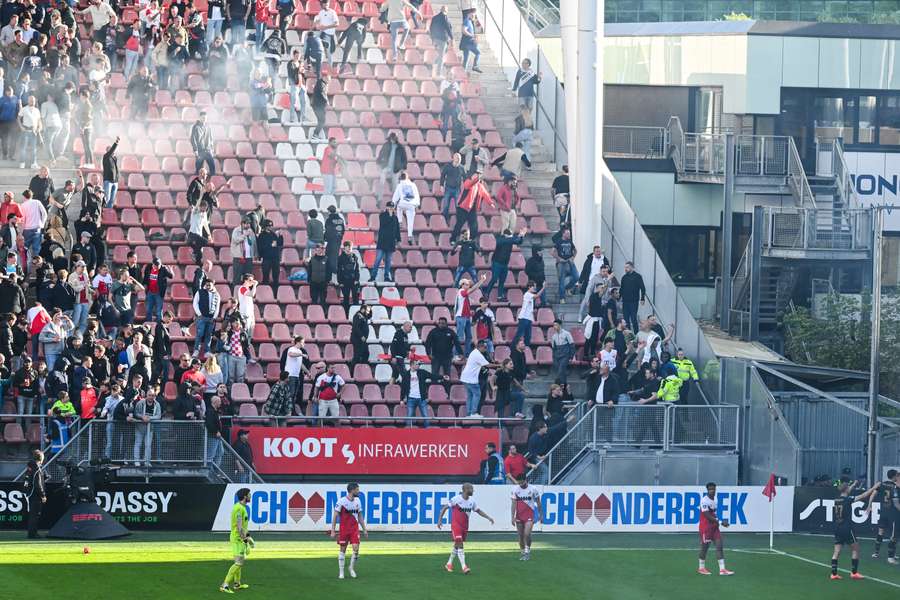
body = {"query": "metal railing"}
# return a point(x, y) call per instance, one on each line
point(627, 426)
point(695, 154)
point(627, 141)
point(762, 155)
point(797, 178)
point(509, 36)
point(154, 444)
point(843, 180)
point(819, 229)
point(541, 13)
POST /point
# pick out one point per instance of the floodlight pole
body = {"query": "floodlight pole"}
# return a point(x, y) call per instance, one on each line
point(875, 347)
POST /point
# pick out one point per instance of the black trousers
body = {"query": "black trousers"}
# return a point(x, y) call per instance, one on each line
point(320, 131)
point(360, 354)
point(270, 272)
point(350, 294)
point(35, 507)
point(348, 47)
point(317, 293)
point(440, 366)
point(463, 217)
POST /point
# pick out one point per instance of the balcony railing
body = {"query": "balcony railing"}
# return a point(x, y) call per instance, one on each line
point(817, 229)
point(625, 141)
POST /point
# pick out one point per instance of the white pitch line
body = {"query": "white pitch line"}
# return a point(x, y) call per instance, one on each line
point(821, 564)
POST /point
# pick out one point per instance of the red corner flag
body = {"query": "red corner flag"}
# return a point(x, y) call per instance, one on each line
point(769, 491)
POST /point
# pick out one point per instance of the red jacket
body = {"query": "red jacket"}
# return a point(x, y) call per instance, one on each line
point(474, 193)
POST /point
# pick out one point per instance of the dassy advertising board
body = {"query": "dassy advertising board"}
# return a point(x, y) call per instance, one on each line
point(368, 451)
point(310, 507)
point(136, 506)
point(814, 510)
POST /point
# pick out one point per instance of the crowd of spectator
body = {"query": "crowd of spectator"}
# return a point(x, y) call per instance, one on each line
point(74, 342)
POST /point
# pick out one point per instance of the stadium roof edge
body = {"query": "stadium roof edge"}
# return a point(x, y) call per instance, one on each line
point(748, 27)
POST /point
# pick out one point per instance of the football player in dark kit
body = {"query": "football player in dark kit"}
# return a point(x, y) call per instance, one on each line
point(889, 519)
point(35, 491)
point(843, 528)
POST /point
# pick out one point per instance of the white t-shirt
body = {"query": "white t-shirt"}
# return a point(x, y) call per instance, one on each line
point(327, 17)
point(396, 11)
point(527, 310)
point(708, 504)
point(473, 366)
point(596, 263)
point(293, 364)
point(245, 294)
point(414, 385)
point(30, 116)
point(609, 358)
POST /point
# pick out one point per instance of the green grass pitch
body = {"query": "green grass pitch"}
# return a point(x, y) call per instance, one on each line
point(175, 566)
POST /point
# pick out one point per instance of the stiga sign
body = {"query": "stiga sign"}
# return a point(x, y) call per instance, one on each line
point(136, 506)
point(368, 451)
point(310, 507)
point(814, 510)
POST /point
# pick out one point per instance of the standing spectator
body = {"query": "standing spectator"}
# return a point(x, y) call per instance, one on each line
point(35, 220)
point(146, 413)
point(162, 348)
point(500, 261)
point(331, 164)
point(9, 123)
point(216, 14)
point(467, 249)
point(440, 346)
point(297, 88)
point(261, 15)
point(441, 32)
point(260, 94)
point(474, 195)
point(334, 236)
point(468, 43)
point(475, 157)
point(25, 382)
point(317, 271)
point(315, 231)
point(121, 296)
point(396, 22)
point(206, 308)
point(523, 130)
point(314, 52)
point(101, 14)
point(593, 322)
point(246, 295)
point(359, 334)
point(414, 384)
point(632, 290)
point(510, 391)
point(132, 50)
point(141, 88)
point(564, 252)
point(328, 389)
point(245, 452)
point(280, 400)
point(81, 285)
point(388, 238)
point(535, 270)
point(320, 103)
point(399, 350)
point(30, 125)
point(156, 281)
point(525, 84)
point(515, 464)
point(201, 142)
point(237, 13)
point(391, 161)
point(237, 347)
point(470, 377)
point(214, 429)
point(526, 314)
point(462, 311)
point(452, 176)
point(243, 250)
point(198, 230)
point(41, 185)
point(84, 117)
point(326, 22)
point(406, 199)
point(348, 276)
point(354, 34)
point(111, 174)
point(270, 243)
point(54, 335)
point(563, 347)
point(508, 201)
point(591, 268)
point(37, 317)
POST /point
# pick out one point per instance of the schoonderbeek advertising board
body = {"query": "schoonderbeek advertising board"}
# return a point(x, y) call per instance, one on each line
point(401, 507)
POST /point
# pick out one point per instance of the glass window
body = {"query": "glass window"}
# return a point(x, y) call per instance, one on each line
point(889, 121)
point(832, 120)
point(690, 254)
point(866, 120)
point(890, 261)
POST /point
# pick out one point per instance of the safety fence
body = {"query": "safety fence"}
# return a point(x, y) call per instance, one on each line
point(666, 427)
point(626, 141)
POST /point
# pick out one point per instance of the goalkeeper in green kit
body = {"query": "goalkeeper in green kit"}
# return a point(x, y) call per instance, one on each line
point(241, 542)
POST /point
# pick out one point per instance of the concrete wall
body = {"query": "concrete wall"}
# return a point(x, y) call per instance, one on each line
point(752, 69)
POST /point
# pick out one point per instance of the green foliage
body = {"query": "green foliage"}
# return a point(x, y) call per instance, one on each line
point(840, 336)
point(736, 16)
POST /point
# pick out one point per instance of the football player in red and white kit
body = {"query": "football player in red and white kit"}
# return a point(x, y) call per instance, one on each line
point(348, 511)
point(709, 531)
point(460, 507)
point(526, 511)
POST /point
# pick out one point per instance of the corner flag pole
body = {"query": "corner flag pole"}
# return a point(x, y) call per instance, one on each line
point(772, 523)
